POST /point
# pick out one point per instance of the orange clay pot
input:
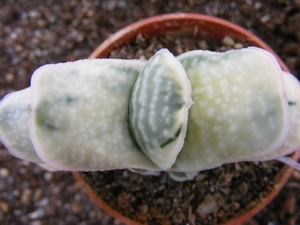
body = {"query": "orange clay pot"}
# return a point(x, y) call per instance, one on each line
point(199, 25)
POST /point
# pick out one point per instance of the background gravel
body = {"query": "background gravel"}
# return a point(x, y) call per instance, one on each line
point(35, 32)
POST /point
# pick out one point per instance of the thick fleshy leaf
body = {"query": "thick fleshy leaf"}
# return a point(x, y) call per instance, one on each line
point(14, 125)
point(158, 109)
point(292, 142)
point(240, 108)
point(80, 115)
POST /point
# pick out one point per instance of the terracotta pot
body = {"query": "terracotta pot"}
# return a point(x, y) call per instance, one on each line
point(207, 27)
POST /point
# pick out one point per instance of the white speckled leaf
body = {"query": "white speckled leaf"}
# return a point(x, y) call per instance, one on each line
point(292, 142)
point(14, 125)
point(80, 115)
point(240, 108)
point(159, 107)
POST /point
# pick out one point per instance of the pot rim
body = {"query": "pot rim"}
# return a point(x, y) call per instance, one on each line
point(160, 24)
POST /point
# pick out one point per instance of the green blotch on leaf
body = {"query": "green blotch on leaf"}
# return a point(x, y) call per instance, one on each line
point(292, 103)
point(171, 139)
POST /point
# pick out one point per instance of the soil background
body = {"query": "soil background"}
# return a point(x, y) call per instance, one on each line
point(33, 33)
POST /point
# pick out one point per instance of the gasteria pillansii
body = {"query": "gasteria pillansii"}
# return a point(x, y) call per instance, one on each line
point(179, 114)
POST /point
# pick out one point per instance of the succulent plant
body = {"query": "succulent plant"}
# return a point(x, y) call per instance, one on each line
point(177, 114)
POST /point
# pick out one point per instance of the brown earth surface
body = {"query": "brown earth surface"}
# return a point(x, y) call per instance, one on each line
point(33, 33)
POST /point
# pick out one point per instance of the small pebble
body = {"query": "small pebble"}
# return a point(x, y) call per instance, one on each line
point(37, 194)
point(26, 196)
point(191, 216)
point(228, 41)
point(236, 205)
point(265, 18)
point(39, 213)
point(238, 46)
point(17, 212)
point(4, 207)
point(207, 206)
point(36, 222)
point(257, 5)
point(243, 188)
point(203, 45)
point(144, 209)
point(9, 77)
point(43, 202)
point(48, 176)
point(16, 193)
point(220, 214)
point(4, 172)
